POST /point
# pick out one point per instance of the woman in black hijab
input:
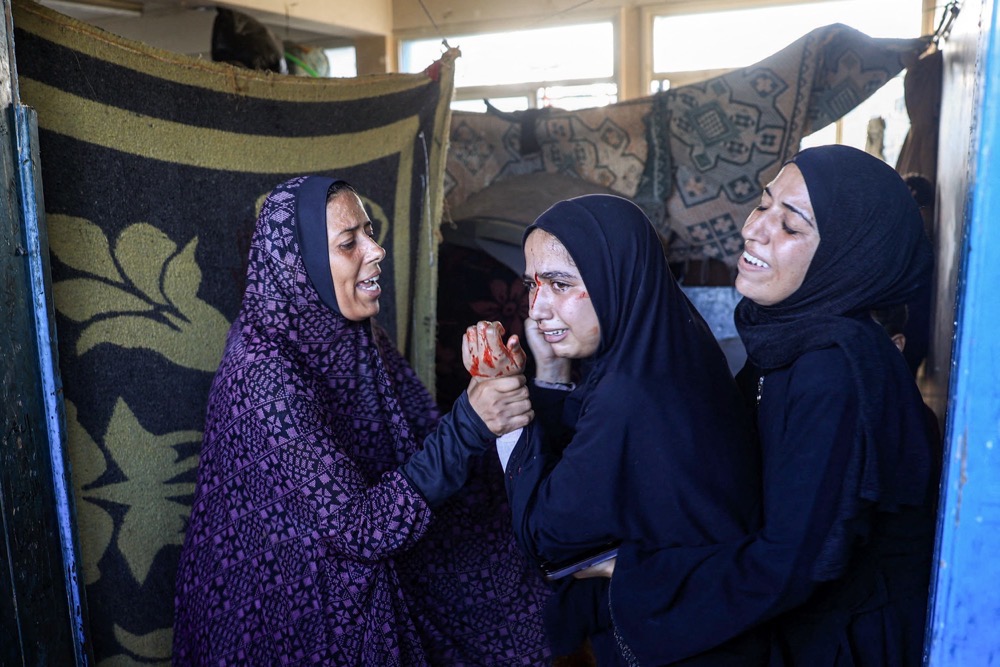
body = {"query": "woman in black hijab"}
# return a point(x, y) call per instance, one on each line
point(839, 572)
point(652, 448)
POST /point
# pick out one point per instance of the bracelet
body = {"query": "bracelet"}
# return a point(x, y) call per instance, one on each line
point(561, 386)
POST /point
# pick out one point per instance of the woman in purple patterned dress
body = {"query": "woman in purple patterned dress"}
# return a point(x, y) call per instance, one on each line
point(329, 526)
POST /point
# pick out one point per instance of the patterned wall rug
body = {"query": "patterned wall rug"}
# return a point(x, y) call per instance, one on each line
point(153, 168)
point(696, 157)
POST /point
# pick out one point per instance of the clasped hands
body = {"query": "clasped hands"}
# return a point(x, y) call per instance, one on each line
point(497, 390)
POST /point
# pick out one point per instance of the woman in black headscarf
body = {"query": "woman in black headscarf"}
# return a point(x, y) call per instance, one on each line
point(839, 572)
point(652, 448)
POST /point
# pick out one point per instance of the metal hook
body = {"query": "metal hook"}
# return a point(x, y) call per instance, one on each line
point(948, 17)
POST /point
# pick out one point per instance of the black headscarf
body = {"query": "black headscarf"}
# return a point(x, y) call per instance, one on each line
point(872, 253)
point(658, 451)
point(310, 209)
point(648, 326)
point(657, 421)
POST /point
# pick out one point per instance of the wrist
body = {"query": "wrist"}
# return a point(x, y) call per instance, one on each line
point(557, 373)
point(478, 432)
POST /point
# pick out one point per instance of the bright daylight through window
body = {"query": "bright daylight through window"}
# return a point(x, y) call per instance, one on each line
point(573, 66)
point(691, 47)
point(569, 66)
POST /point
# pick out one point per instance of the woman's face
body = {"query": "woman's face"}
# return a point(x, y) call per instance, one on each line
point(780, 238)
point(354, 257)
point(557, 298)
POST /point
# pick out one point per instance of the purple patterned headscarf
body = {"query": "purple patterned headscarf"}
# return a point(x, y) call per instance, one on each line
point(305, 546)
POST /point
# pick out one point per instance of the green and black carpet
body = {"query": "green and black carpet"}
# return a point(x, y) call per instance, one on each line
point(153, 168)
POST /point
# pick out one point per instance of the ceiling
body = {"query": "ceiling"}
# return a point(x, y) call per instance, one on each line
point(185, 26)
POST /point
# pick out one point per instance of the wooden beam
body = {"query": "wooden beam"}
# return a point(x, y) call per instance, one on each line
point(334, 17)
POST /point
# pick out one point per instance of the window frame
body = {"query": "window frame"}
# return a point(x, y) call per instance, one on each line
point(682, 7)
point(531, 90)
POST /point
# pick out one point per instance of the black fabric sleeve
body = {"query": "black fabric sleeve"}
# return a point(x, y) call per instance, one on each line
point(441, 467)
point(548, 405)
point(534, 455)
point(547, 491)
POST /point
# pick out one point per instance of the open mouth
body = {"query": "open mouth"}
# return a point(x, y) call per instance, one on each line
point(370, 285)
point(754, 261)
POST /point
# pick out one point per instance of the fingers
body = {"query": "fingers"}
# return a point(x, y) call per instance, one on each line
point(469, 358)
point(490, 346)
point(502, 403)
point(509, 384)
point(494, 332)
point(530, 329)
point(515, 422)
point(491, 336)
point(604, 569)
point(517, 354)
point(548, 366)
point(505, 422)
point(478, 354)
point(539, 348)
point(485, 355)
point(504, 389)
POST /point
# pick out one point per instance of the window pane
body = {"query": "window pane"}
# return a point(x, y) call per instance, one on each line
point(885, 103)
point(547, 54)
point(578, 97)
point(742, 37)
point(343, 61)
point(501, 103)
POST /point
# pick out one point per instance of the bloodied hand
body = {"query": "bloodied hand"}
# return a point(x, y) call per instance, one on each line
point(487, 356)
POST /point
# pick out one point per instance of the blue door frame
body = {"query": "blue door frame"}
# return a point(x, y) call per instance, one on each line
point(965, 612)
point(42, 609)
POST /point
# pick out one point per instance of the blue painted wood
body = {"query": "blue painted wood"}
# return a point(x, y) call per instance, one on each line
point(35, 614)
point(42, 613)
point(965, 614)
point(50, 383)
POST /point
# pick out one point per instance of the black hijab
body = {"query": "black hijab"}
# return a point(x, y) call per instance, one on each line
point(648, 326)
point(657, 419)
point(310, 209)
point(872, 253)
point(657, 450)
